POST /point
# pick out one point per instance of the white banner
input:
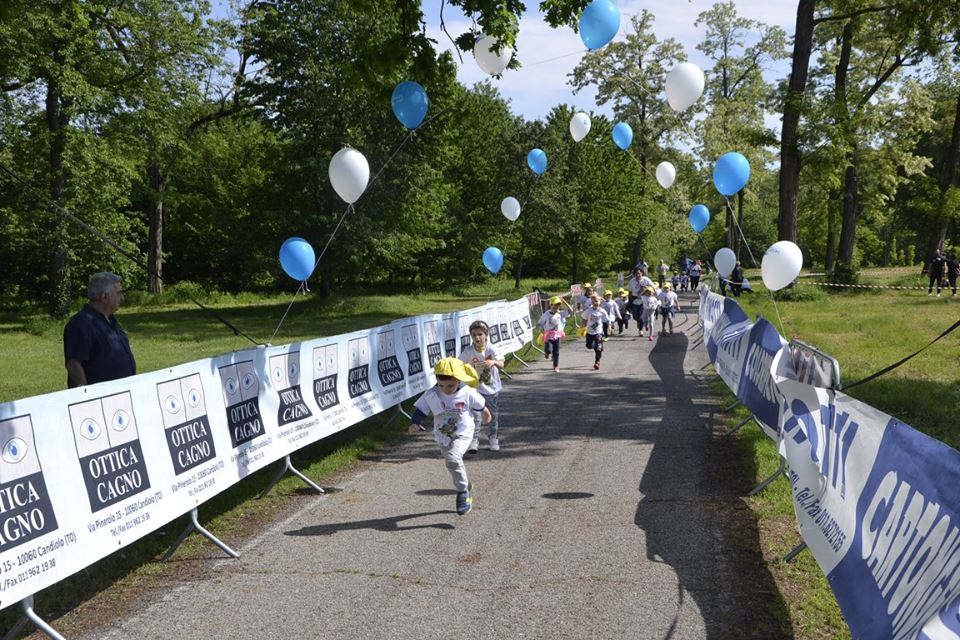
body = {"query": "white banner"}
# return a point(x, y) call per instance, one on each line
point(87, 471)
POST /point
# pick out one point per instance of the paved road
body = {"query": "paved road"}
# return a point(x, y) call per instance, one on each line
point(609, 513)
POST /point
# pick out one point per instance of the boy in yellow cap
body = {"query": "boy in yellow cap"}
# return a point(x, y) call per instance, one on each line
point(669, 304)
point(451, 402)
point(648, 305)
point(613, 312)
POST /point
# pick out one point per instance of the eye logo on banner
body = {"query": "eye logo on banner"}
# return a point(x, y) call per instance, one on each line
point(432, 338)
point(504, 332)
point(495, 333)
point(464, 323)
point(241, 389)
point(185, 422)
point(108, 446)
point(325, 369)
point(388, 368)
point(411, 344)
point(285, 373)
point(358, 373)
point(449, 338)
point(25, 509)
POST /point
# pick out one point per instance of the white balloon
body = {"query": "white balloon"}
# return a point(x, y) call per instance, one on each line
point(666, 174)
point(349, 174)
point(781, 265)
point(725, 260)
point(510, 208)
point(685, 84)
point(579, 126)
point(491, 59)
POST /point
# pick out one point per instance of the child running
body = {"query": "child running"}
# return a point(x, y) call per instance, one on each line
point(487, 361)
point(451, 402)
point(594, 318)
point(613, 312)
point(623, 322)
point(552, 323)
point(669, 304)
point(648, 305)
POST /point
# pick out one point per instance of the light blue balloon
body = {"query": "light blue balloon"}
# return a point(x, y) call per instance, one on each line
point(622, 135)
point(492, 259)
point(409, 104)
point(731, 173)
point(599, 23)
point(537, 161)
point(699, 217)
point(297, 258)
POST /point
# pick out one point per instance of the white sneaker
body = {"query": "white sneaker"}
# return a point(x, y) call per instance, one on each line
point(474, 446)
point(494, 444)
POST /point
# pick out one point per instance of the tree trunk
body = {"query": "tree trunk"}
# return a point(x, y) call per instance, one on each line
point(949, 177)
point(58, 118)
point(638, 242)
point(848, 219)
point(831, 252)
point(789, 146)
point(158, 186)
point(731, 231)
point(848, 224)
point(737, 240)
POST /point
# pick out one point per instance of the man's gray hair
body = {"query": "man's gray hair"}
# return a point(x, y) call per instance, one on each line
point(100, 283)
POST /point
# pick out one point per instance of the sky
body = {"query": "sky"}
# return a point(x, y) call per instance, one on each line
point(548, 54)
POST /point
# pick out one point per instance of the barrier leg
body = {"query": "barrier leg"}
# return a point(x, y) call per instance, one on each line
point(38, 622)
point(288, 466)
point(506, 373)
point(195, 525)
point(773, 476)
point(733, 406)
point(794, 552)
point(737, 428)
point(518, 359)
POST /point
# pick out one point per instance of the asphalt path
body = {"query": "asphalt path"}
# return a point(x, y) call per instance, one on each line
point(612, 511)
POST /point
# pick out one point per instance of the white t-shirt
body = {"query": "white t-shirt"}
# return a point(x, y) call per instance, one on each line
point(451, 414)
point(489, 378)
point(612, 309)
point(554, 321)
point(668, 299)
point(649, 303)
point(637, 286)
point(594, 319)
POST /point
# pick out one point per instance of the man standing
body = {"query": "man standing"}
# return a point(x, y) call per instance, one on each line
point(936, 271)
point(95, 346)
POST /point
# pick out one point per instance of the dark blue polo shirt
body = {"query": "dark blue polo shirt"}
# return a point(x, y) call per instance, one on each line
point(101, 346)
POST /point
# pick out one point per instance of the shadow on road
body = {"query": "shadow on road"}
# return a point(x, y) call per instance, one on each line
point(380, 524)
point(694, 520)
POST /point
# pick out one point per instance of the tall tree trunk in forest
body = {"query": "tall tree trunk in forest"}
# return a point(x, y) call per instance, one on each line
point(949, 177)
point(831, 252)
point(850, 201)
point(158, 186)
point(848, 221)
point(737, 239)
point(731, 230)
point(58, 118)
point(789, 146)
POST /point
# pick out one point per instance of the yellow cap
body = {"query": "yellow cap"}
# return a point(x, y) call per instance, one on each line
point(624, 294)
point(555, 300)
point(587, 285)
point(607, 293)
point(667, 285)
point(650, 289)
point(455, 368)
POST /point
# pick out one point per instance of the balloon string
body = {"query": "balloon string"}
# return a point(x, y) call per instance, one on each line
point(351, 209)
point(292, 300)
point(67, 215)
point(736, 223)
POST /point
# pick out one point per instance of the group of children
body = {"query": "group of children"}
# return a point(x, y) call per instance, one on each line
point(468, 388)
